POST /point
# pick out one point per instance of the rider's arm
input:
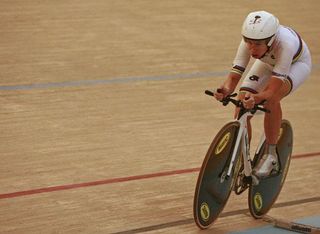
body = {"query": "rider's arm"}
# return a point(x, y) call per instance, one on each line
point(228, 86)
point(240, 62)
point(285, 50)
point(273, 87)
point(232, 81)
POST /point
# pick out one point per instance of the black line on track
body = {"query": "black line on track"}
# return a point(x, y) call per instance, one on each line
point(224, 214)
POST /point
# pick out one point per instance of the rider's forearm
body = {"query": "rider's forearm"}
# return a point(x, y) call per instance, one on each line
point(232, 81)
point(272, 88)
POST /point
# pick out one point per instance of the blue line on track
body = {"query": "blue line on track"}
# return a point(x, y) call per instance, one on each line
point(119, 80)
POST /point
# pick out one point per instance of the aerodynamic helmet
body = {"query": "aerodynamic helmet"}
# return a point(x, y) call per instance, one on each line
point(260, 25)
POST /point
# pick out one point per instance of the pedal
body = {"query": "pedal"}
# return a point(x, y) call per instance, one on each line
point(243, 184)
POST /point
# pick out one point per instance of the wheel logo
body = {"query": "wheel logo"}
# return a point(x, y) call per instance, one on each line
point(222, 143)
point(204, 211)
point(257, 200)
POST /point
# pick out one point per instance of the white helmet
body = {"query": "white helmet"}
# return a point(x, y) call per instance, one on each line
point(260, 25)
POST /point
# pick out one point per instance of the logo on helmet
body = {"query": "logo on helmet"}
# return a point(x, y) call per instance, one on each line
point(257, 19)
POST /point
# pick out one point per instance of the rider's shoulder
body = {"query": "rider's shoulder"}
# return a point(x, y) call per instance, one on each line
point(286, 35)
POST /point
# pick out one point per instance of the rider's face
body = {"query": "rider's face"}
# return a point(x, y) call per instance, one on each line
point(257, 48)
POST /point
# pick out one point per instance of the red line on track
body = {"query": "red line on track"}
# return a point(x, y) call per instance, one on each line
point(306, 155)
point(117, 180)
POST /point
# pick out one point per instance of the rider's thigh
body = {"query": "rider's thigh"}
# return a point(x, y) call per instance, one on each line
point(298, 74)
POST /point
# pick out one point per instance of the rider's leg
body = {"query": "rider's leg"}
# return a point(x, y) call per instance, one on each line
point(299, 72)
point(272, 120)
point(272, 124)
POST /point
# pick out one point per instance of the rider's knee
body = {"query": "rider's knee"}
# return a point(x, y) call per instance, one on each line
point(278, 96)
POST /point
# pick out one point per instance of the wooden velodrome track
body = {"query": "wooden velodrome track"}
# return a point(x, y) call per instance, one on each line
point(104, 124)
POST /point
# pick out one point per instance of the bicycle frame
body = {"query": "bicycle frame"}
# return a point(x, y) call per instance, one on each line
point(242, 141)
point(242, 136)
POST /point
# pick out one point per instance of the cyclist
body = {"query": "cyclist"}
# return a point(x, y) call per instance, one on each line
point(282, 63)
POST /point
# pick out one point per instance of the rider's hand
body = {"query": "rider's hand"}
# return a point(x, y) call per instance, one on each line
point(248, 101)
point(221, 93)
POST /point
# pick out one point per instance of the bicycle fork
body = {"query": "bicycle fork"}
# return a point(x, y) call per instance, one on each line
point(245, 150)
point(242, 134)
point(246, 155)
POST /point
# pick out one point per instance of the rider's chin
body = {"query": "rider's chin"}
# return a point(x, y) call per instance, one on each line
point(256, 56)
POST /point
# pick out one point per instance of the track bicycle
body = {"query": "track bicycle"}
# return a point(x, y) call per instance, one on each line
point(228, 167)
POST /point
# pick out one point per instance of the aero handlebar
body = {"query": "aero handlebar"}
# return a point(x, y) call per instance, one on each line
point(230, 98)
